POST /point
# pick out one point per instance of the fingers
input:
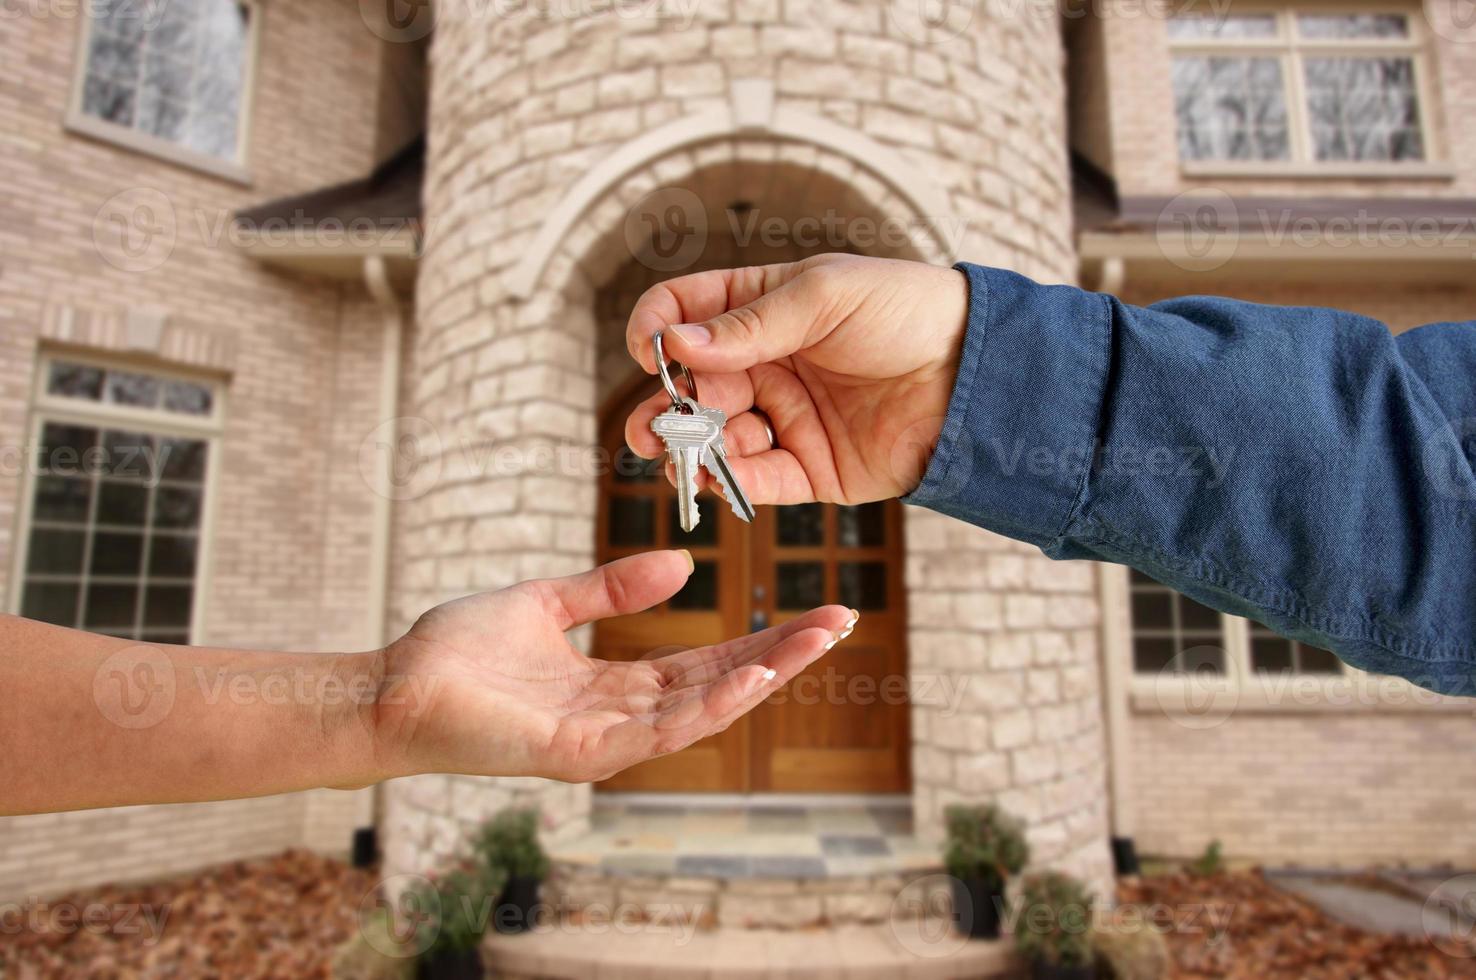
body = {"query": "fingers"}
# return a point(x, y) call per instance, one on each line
point(625, 586)
point(731, 393)
point(691, 668)
point(732, 319)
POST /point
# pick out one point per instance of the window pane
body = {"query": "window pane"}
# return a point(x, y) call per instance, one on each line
point(706, 531)
point(1203, 26)
point(701, 590)
point(1338, 26)
point(861, 527)
point(1152, 654)
point(75, 381)
point(182, 459)
point(801, 525)
point(177, 507)
point(632, 521)
point(51, 602)
point(1271, 654)
point(117, 554)
point(1230, 108)
point(172, 555)
point(168, 605)
point(1315, 660)
point(108, 100)
point(1364, 109)
point(191, 399)
point(55, 552)
point(110, 606)
point(125, 504)
point(62, 498)
point(1153, 609)
point(1193, 616)
point(863, 584)
point(63, 447)
point(801, 584)
point(127, 388)
point(128, 455)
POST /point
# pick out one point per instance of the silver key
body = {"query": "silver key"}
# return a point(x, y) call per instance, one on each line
point(688, 436)
point(716, 461)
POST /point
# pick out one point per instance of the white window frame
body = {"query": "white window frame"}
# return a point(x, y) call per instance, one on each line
point(46, 407)
point(232, 168)
point(1291, 50)
point(1346, 690)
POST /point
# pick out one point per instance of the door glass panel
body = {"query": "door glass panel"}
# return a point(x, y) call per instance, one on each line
point(861, 527)
point(800, 584)
point(110, 605)
point(706, 531)
point(863, 584)
point(632, 521)
point(117, 554)
point(172, 556)
point(801, 525)
point(51, 602)
point(701, 590)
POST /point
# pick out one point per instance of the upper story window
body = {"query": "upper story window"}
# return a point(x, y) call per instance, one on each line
point(1299, 87)
point(167, 76)
point(114, 513)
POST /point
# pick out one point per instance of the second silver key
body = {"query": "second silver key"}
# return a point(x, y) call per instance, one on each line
point(687, 436)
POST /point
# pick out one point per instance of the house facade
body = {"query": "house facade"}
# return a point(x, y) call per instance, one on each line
point(362, 271)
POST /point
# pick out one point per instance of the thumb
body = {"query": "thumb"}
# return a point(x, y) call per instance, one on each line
point(769, 327)
point(624, 586)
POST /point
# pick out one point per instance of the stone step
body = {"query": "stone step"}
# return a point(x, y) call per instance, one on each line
point(913, 949)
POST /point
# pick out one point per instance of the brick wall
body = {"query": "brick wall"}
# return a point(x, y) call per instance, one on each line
point(1312, 786)
point(300, 361)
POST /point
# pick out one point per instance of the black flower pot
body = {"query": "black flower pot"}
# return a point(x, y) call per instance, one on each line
point(516, 905)
point(452, 964)
point(976, 905)
point(1041, 970)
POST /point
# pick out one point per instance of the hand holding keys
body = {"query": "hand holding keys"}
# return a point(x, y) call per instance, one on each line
point(694, 439)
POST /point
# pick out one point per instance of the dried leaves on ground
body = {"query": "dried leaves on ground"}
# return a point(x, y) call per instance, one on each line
point(281, 916)
point(1238, 925)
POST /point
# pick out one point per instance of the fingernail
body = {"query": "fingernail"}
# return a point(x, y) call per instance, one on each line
point(834, 639)
point(851, 623)
point(691, 565)
point(844, 633)
point(694, 334)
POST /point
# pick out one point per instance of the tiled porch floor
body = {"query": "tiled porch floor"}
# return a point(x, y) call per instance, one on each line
point(762, 840)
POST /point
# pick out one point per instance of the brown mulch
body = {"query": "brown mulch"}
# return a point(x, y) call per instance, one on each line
point(1237, 925)
point(281, 916)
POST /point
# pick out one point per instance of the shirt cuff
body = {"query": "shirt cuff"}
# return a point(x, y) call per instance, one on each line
point(1022, 425)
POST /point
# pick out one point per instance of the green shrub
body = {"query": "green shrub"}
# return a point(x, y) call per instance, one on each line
point(1211, 862)
point(984, 842)
point(1055, 921)
point(454, 908)
point(509, 843)
point(1131, 953)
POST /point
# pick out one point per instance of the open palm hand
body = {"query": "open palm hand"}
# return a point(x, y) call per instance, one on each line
point(490, 685)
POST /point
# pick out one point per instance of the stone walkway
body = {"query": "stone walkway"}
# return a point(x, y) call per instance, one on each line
point(912, 950)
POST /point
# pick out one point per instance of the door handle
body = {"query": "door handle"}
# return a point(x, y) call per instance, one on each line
point(758, 621)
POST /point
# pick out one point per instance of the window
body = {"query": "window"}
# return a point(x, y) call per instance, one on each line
point(168, 77)
point(1299, 87)
point(116, 500)
point(1171, 632)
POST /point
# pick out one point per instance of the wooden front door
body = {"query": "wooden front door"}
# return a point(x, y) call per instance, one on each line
point(840, 727)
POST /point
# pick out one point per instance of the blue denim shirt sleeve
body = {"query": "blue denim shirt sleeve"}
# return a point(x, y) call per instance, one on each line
point(1302, 467)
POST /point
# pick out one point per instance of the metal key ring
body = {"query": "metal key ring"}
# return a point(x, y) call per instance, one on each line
point(666, 382)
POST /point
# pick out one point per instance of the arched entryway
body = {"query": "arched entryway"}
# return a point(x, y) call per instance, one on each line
point(842, 726)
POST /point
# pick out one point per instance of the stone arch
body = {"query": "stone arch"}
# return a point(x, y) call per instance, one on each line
point(748, 128)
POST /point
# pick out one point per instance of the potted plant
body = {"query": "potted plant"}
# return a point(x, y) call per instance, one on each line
point(1054, 928)
point(452, 911)
point(985, 848)
point(508, 843)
